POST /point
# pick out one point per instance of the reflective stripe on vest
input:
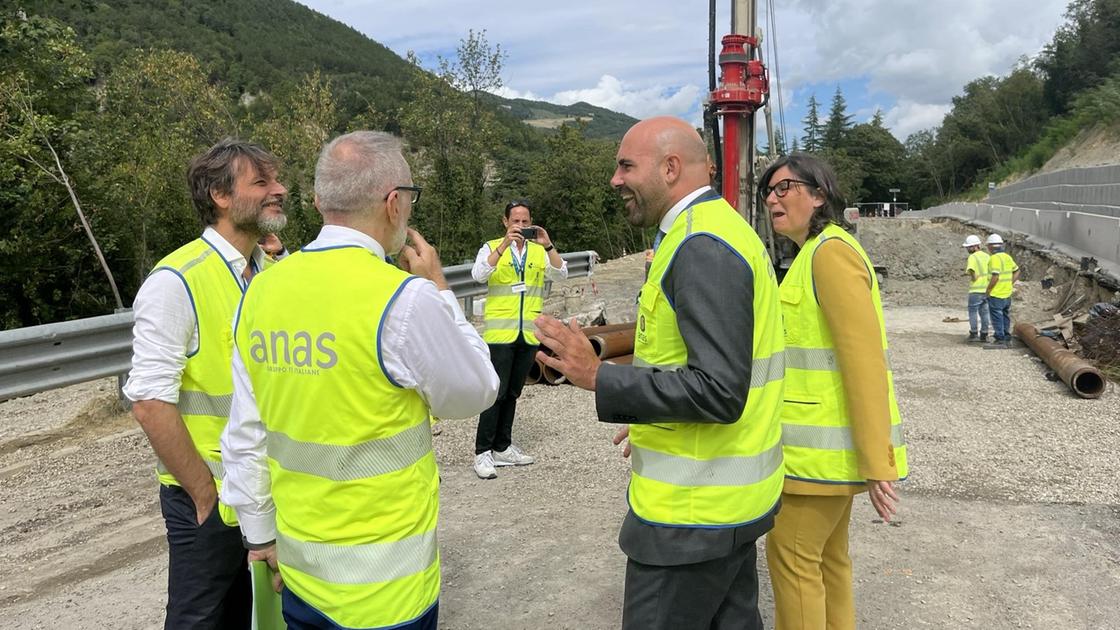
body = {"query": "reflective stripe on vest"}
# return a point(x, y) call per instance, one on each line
point(509, 314)
point(352, 461)
point(507, 290)
point(763, 370)
point(692, 474)
point(828, 438)
point(360, 564)
point(202, 404)
point(816, 427)
point(719, 471)
point(352, 471)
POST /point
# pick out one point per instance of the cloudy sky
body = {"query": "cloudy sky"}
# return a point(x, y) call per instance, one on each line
point(905, 57)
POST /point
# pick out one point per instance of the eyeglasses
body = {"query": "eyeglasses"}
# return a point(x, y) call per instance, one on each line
point(413, 193)
point(781, 188)
point(515, 203)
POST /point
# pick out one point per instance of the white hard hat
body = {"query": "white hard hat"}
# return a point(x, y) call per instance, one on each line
point(971, 241)
point(995, 239)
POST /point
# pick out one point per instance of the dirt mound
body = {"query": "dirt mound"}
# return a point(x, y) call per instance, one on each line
point(1100, 343)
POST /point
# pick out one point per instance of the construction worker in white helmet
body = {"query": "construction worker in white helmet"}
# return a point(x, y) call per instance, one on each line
point(1004, 273)
point(977, 271)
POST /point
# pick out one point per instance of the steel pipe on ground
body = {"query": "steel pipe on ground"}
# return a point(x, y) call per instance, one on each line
point(1084, 379)
point(613, 344)
point(625, 359)
point(608, 328)
point(551, 376)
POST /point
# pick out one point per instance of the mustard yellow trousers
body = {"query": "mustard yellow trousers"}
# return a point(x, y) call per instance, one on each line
point(810, 570)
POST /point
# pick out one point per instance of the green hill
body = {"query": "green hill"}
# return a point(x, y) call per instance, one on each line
point(255, 46)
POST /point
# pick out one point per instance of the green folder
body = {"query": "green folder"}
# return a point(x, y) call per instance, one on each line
point(266, 602)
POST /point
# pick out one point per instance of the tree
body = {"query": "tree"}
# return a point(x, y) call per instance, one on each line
point(303, 120)
point(839, 123)
point(813, 140)
point(569, 187)
point(881, 157)
point(48, 270)
point(453, 138)
point(151, 94)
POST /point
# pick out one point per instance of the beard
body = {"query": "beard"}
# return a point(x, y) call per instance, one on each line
point(250, 216)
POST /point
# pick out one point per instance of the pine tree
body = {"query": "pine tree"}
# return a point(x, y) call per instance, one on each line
point(839, 123)
point(813, 140)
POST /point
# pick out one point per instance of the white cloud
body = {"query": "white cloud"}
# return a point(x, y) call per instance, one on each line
point(907, 117)
point(507, 92)
point(614, 94)
point(651, 58)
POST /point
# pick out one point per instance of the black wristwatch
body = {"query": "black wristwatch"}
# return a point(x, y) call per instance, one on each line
point(550, 247)
point(256, 546)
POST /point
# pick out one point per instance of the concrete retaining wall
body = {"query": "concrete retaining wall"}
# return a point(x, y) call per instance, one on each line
point(1077, 234)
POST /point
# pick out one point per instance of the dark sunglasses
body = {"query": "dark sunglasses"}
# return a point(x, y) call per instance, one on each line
point(414, 193)
point(517, 202)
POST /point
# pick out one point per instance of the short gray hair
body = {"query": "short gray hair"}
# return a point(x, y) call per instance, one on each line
point(356, 171)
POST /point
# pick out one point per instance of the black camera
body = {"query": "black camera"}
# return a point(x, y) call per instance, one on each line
point(529, 233)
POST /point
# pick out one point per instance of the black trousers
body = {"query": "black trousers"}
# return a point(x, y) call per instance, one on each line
point(208, 583)
point(720, 594)
point(495, 425)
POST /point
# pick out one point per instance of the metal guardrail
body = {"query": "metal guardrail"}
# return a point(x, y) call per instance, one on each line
point(40, 358)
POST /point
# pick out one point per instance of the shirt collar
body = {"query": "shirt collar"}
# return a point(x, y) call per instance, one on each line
point(340, 236)
point(229, 253)
point(678, 208)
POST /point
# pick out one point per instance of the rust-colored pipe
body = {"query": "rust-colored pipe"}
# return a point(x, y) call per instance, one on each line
point(609, 328)
point(551, 376)
point(534, 375)
point(625, 359)
point(1084, 379)
point(613, 344)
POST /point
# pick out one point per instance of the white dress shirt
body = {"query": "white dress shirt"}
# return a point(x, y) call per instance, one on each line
point(678, 208)
point(481, 271)
point(165, 329)
point(427, 345)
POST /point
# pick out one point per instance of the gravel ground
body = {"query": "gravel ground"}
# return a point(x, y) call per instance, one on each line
point(1009, 519)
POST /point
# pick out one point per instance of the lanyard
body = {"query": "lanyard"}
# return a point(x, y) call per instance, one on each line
point(519, 265)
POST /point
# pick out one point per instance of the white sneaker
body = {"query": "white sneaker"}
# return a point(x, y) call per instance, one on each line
point(484, 466)
point(512, 456)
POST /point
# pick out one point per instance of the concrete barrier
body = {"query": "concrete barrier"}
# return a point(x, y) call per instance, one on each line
point(1076, 234)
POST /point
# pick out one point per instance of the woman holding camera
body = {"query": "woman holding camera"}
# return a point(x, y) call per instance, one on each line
point(515, 268)
point(841, 431)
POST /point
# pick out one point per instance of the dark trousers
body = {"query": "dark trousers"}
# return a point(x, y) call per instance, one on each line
point(720, 594)
point(495, 425)
point(299, 615)
point(208, 583)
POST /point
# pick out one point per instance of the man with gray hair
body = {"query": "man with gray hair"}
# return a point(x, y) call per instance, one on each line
point(180, 383)
point(340, 358)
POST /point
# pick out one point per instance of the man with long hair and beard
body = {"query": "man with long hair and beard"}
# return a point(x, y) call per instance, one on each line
point(181, 380)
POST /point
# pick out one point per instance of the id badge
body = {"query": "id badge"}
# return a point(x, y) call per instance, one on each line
point(518, 288)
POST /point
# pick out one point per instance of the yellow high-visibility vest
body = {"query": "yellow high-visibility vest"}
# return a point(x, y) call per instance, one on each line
point(978, 263)
point(1003, 264)
point(816, 426)
point(510, 312)
point(350, 456)
point(701, 474)
point(207, 381)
